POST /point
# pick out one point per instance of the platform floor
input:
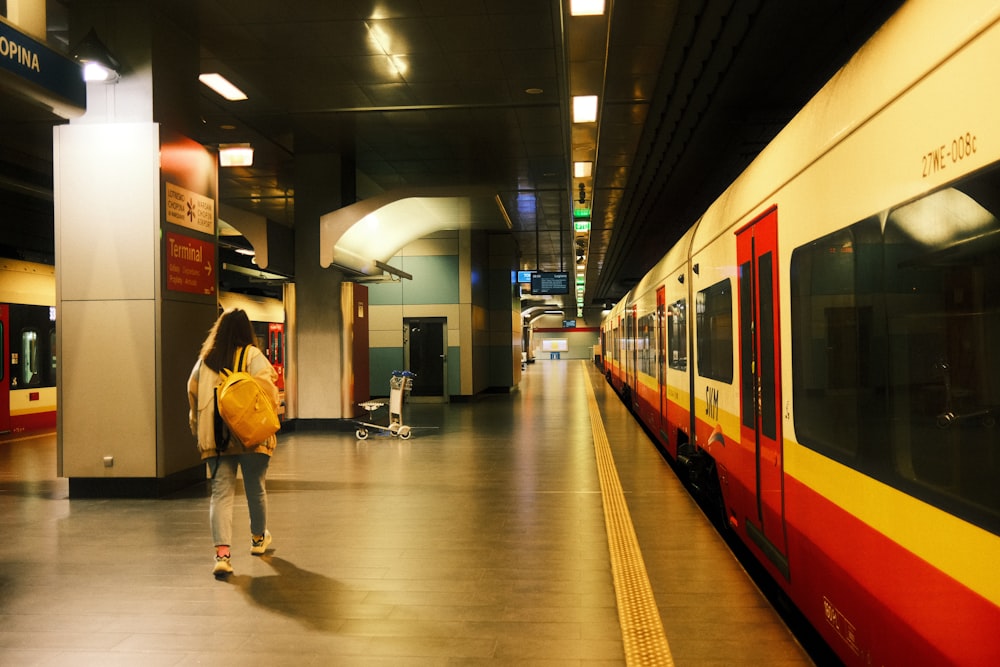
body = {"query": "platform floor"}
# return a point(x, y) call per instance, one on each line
point(484, 540)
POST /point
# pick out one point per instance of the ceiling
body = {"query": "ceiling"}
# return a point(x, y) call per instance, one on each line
point(444, 95)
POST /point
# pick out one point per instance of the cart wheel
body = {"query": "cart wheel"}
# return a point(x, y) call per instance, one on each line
point(362, 433)
point(404, 432)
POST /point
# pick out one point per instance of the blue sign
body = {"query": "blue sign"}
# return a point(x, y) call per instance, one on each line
point(53, 79)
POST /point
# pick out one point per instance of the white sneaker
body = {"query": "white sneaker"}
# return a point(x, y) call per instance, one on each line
point(222, 567)
point(258, 547)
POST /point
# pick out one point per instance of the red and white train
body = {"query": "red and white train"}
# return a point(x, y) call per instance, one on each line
point(28, 342)
point(820, 352)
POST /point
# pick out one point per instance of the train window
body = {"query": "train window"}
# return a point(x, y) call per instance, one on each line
point(714, 336)
point(748, 385)
point(29, 358)
point(943, 318)
point(644, 345)
point(677, 335)
point(628, 342)
point(836, 387)
point(768, 392)
point(619, 345)
point(613, 345)
point(894, 368)
point(52, 356)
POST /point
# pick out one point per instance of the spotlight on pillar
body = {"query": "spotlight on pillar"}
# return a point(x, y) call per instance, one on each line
point(98, 62)
point(235, 155)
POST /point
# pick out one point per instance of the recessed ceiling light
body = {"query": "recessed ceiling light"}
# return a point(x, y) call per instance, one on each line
point(534, 91)
point(235, 155)
point(585, 108)
point(586, 7)
point(222, 86)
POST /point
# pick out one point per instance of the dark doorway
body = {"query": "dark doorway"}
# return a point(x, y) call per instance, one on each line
point(426, 351)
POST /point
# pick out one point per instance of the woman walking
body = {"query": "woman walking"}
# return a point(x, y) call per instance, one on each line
point(225, 453)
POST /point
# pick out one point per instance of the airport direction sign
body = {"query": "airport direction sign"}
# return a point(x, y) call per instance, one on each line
point(190, 264)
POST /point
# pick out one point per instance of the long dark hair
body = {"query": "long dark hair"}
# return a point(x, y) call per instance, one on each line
point(229, 333)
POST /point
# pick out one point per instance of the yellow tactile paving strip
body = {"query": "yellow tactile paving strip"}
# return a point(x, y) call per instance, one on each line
point(642, 632)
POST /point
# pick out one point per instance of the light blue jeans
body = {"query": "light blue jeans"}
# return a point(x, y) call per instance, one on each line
point(220, 511)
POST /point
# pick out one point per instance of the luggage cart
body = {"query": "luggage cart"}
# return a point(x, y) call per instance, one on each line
point(400, 382)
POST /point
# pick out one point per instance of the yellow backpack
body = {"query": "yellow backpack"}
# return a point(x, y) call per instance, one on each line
point(244, 407)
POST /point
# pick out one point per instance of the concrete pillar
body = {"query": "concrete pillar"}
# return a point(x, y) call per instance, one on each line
point(136, 279)
point(29, 16)
point(323, 183)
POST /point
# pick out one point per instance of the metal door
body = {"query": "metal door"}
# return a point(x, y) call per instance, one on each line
point(426, 354)
point(760, 373)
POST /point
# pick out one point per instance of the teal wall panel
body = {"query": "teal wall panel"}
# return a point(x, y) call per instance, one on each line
point(435, 280)
point(382, 362)
point(385, 294)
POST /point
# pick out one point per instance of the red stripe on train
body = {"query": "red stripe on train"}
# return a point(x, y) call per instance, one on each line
point(875, 602)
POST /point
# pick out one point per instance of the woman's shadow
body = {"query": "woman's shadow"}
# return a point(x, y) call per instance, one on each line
point(312, 599)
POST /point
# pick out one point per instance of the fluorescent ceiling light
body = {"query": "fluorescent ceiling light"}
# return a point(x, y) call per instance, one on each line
point(586, 7)
point(582, 169)
point(585, 108)
point(222, 86)
point(235, 155)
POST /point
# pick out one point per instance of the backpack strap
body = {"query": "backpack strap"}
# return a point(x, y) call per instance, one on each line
point(241, 360)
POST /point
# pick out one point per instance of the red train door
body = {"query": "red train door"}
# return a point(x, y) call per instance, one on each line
point(276, 350)
point(4, 368)
point(661, 355)
point(631, 354)
point(760, 386)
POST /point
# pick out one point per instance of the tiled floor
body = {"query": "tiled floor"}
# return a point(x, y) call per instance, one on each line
point(481, 540)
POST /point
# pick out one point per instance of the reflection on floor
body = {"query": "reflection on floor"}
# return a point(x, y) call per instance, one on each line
point(481, 540)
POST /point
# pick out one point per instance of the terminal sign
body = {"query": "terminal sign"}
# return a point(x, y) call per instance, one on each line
point(190, 264)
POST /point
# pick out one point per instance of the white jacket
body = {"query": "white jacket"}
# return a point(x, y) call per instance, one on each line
point(201, 401)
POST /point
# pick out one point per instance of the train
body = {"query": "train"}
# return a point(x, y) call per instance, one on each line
point(28, 339)
point(267, 315)
point(817, 353)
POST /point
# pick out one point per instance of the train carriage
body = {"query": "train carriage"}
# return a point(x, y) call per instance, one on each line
point(27, 346)
point(28, 342)
point(844, 296)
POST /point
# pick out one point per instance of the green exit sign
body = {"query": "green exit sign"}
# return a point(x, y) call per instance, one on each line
point(581, 226)
point(581, 213)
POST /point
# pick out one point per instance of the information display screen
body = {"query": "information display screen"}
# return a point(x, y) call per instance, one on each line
point(550, 282)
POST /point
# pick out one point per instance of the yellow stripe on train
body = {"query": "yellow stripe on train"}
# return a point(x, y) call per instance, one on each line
point(941, 539)
point(32, 401)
